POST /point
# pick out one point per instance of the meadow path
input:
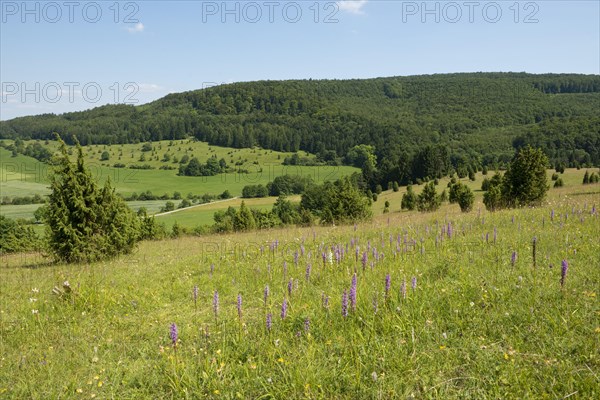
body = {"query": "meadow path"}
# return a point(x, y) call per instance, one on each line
point(197, 205)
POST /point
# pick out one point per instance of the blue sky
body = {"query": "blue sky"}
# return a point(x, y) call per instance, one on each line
point(58, 56)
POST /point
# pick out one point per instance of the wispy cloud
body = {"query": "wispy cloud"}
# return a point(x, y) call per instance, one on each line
point(137, 28)
point(352, 6)
point(150, 88)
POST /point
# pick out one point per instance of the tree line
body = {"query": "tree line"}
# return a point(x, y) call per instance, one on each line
point(478, 118)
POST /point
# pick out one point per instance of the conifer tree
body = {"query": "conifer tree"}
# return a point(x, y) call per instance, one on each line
point(85, 223)
point(428, 200)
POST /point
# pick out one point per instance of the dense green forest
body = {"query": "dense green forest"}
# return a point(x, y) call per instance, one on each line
point(419, 126)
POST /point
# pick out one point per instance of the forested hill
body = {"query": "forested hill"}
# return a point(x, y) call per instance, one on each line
point(478, 118)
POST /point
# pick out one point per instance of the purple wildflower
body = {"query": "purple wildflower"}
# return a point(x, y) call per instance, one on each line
point(284, 269)
point(353, 293)
point(365, 257)
point(495, 234)
point(212, 269)
point(403, 289)
point(306, 325)
point(290, 286)
point(563, 272)
point(513, 258)
point(174, 334)
point(239, 306)
point(296, 257)
point(345, 304)
point(308, 268)
point(388, 285)
point(284, 309)
point(325, 301)
point(552, 215)
point(195, 295)
point(269, 321)
point(449, 230)
point(414, 282)
point(216, 303)
point(487, 237)
point(266, 294)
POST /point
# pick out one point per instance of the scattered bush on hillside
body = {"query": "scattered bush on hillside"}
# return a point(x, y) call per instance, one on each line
point(409, 199)
point(428, 200)
point(16, 236)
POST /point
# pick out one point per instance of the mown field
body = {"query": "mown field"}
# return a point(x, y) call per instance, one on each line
point(447, 305)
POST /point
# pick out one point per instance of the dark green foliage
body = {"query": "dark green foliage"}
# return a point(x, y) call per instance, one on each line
point(386, 208)
point(444, 196)
point(224, 220)
point(289, 184)
point(409, 199)
point(285, 211)
point(395, 186)
point(453, 115)
point(378, 189)
point(169, 206)
point(428, 200)
point(16, 236)
point(243, 219)
point(147, 147)
point(555, 176)
point(432, 162)
point(361, 156)
point(254, 191)
point(295, 159)
point(559, 183)
point(586, 178)
point(212, 167)
point(464, 197)
point(345, 203)
point(184, 203)
point(525, 182)
point(485, 185)
point(337, 202)
point(35, 199)
point(105, 156)
point(40, 214)
point(453, 195)
point(149, 228)
point(225, 195)
point(493, 198)
point(265, 219)
point(86, 223)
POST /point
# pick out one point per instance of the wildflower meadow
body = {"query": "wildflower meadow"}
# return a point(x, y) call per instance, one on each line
point(409, 305)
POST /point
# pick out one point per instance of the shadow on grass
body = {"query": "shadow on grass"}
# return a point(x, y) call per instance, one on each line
point(29, 260)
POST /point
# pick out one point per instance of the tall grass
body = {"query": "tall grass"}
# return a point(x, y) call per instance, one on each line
point(474, 326)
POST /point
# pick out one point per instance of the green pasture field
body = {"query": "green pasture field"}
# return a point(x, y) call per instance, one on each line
point(482, 319)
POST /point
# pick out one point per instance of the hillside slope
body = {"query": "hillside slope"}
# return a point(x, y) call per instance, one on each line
point(478, 117)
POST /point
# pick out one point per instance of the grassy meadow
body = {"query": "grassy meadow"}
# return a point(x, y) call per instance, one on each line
point(25, 176)
point(447, 305)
